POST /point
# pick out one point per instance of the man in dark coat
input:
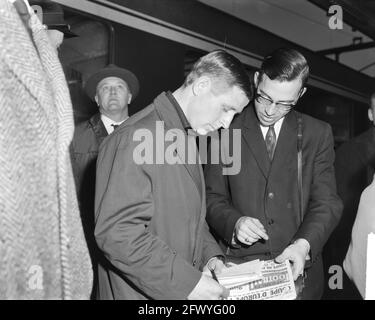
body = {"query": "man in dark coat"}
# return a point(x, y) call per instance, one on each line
point(355, 160)
point(150, 200)
point(255, 213)
point(112, 88)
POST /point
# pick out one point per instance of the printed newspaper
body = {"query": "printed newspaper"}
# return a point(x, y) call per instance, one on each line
point(259, 280)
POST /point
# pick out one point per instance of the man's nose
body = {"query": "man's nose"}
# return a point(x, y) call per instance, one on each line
point(113, 90)
point(227, 120)
point(271, 109)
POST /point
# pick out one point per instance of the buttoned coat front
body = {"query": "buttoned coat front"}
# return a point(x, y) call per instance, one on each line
point(268, 191)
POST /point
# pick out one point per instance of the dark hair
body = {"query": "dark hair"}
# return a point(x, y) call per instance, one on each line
point(285, 64)
point(221, 65)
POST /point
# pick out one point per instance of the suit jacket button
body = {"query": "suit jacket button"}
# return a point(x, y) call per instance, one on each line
point(270, 222)
point(271, 195)
point(194, 263)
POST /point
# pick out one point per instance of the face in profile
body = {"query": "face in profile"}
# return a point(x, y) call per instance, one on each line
point(113, 96)
point(274, 98)
point(212, 109)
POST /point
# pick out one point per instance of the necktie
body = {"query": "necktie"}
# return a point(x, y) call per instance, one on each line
point(271, 141)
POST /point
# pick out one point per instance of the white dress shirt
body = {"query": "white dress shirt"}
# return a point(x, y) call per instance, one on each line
point(277, 127)
point(109, 122)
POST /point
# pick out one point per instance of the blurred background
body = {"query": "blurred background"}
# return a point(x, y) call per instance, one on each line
point(160, 39)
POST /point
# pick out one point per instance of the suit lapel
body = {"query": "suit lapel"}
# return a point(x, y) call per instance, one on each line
point(286, 146)
point(194, 169)
point(254, 140)
point(286, 141)
point(98, 127)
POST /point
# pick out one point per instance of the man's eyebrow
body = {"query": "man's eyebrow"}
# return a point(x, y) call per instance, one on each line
point(272, 99)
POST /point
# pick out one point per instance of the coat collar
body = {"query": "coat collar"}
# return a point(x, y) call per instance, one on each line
point(18, 62)
point(98, 127)
point(168, 113)
point(254, 139)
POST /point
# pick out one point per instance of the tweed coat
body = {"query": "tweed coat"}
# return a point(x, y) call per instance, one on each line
point(43, 254)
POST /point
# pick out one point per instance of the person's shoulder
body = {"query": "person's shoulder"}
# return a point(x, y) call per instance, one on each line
point(82, 126)
point(314, 123)
point(359, 141)
point(83, 133)
point(123, 135)
point(143, 119)
point(365, 137)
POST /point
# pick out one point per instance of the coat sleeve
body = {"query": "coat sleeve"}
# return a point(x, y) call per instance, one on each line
point(124, 208)
point(324, 207)
point(210, 246)
point(221, 215)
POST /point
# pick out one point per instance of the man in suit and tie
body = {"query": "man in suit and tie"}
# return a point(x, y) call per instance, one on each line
point(256, 213)
point(151, 216)
point(112, 88)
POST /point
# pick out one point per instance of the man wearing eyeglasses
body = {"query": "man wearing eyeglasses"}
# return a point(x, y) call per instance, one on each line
point(256, 214)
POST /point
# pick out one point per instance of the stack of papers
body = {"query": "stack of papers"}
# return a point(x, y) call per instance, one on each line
point(241, 273)
point(259, 280)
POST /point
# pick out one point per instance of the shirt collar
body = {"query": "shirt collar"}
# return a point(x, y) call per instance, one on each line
point(108, 123)
point(277, 126)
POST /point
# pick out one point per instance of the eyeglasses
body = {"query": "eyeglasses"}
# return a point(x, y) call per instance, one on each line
point(281, 105)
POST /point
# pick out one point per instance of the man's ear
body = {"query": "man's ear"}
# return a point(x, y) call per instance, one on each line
point(201, 85)
point(304, 89)
point(130, 98)
point(370, 115)
point(96, 99)
point(256, 78)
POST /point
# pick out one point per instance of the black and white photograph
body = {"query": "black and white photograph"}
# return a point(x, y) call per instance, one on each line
point(206, 151)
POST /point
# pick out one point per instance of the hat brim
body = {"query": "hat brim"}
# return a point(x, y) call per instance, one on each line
point(64, 29)
point(112, 71)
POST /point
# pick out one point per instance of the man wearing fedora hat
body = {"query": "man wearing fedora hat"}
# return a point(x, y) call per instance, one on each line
point(112, 88)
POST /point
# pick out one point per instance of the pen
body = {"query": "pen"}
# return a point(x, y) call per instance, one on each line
point(214, 275)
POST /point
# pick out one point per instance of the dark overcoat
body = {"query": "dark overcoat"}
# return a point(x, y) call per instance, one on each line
point(150, 218)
